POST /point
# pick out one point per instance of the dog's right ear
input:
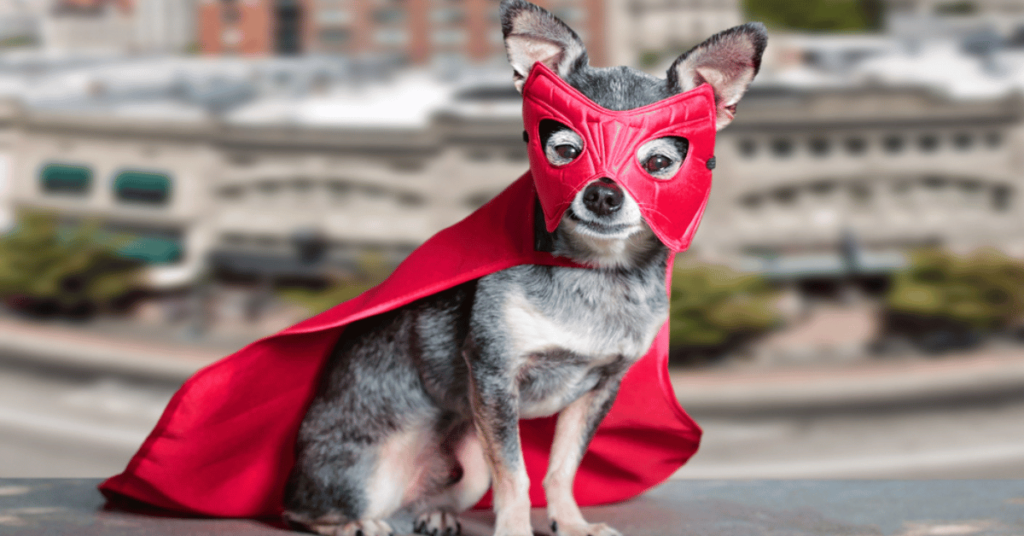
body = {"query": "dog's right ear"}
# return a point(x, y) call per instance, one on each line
point(532, 34)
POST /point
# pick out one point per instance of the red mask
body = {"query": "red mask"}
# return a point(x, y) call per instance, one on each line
point(611, 139)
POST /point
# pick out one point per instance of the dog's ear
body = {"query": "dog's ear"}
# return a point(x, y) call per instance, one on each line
point(728, 61)
point(532, 34)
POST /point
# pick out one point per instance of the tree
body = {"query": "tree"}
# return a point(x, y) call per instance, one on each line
point(980, 293)
point(817, 15)
point(714, 308)
point(46, 270)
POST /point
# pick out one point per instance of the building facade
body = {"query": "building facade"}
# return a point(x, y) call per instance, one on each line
point(430, 31)
point(800, 176)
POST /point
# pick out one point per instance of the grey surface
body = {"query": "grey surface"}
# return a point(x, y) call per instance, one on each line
point(740, 508)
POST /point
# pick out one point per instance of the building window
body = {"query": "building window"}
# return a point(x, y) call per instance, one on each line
point(142, 188)
point(748, 148)
point(963, 141)
point(391, 36)
point(856, 145)
point(782, 147)
point(288, 27)
point(994, 139)
point(335, 36)
point(820, 147)
point(1001, 198)
point(893, 144)
point(66, 180)
point(329, 17)
point(449, 37)
point(928, 143)
point(389, 16)
point(447, 15)
point(785, 196)
point(751, 201)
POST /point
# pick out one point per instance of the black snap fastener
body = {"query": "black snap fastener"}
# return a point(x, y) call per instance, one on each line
point(711, 163)
point(526, 137)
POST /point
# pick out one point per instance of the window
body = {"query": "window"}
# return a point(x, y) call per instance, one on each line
point(748, 148)
point(994, 139)
point(928, 143)
point(62, 179)
point(785, 196)
point(449, 37)
point(389, 16)
point(391, 36)
point(893, 144)
point(856, 146)
point(963, 141)
point(782, 147)
point(751, 201)
point(142, 188)
point(820, 147)
point(447, 15)
point(1001, 198)
point(335, 36)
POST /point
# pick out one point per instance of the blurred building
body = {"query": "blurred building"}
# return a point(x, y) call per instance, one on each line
point(428, 31)
point(847, 152)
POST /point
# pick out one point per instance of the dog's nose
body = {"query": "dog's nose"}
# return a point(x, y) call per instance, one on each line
point(602, 197)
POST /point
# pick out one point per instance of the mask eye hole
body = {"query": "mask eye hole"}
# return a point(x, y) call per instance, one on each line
point(662, 157)
point(561, 144)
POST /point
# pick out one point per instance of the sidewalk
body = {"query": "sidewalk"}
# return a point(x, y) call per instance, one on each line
point(742, 389)
point(678, 508)
point(871, 383)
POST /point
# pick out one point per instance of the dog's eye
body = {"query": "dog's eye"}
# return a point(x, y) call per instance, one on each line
point(561, 144)
point(657, 163)
point(567, 152)
point(662, 157)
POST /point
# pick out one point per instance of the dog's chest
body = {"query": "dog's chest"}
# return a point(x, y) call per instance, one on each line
point(566, 338)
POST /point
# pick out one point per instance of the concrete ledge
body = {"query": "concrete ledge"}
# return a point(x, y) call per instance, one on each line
point(684, 508)
point(27, 344)
point(847, 387)
point(865, 385)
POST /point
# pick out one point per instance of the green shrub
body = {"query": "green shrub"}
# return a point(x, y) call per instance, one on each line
point(42, 265)
point(980, 292)
point(714, 308)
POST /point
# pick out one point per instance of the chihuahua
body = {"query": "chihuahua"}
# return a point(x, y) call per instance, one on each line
point(418, 408)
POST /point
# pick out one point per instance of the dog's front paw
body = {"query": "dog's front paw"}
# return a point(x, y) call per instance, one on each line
point(437, 524)
point(582, 529)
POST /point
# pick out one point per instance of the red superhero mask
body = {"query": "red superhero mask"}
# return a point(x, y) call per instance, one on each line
point(671, 206)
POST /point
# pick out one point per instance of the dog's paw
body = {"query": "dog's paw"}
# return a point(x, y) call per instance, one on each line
point(367, 527)
point(582, 529)
point(437, 524)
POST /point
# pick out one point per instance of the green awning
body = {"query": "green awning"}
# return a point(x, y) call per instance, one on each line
point(64, 179)
point(152, 249)
point(142, 187)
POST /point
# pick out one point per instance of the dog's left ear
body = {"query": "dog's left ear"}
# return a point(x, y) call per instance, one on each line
point(728, 61)
point(533, 35)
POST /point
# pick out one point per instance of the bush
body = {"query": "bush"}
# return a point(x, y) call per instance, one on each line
point(715, 309)
point(373, 268)
point(949, 297)
point(44, 270)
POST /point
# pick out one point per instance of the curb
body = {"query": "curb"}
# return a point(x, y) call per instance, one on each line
point(991, 375)
point(40, 347)
point(921, 382)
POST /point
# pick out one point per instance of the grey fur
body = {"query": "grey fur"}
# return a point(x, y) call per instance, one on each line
point(526, 341)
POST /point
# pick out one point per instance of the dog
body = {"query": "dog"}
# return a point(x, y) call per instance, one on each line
point(418, 408)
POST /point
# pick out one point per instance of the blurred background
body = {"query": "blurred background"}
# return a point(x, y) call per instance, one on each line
point(180, 177)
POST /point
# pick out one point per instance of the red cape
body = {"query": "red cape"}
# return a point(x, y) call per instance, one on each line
point(225, 444)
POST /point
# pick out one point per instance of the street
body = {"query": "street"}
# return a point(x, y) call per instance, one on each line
point(89, 426)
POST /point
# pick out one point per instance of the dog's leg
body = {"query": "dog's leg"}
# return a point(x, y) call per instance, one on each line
point(472, 480)
point(495, 403)
point(576, 426)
